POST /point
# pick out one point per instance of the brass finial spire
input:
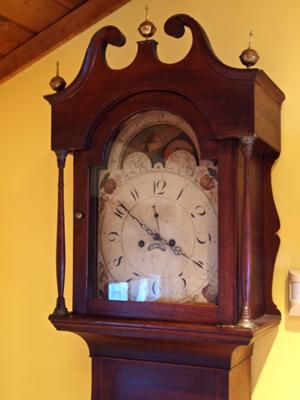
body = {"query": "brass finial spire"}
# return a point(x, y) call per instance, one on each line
point(250, 39)
point(57, 83)
point(146, 9)
point(249, 57)
point(147, 28)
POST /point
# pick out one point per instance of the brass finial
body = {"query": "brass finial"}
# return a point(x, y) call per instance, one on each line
point(57, 83)
point(147, 28)
point(249, 57)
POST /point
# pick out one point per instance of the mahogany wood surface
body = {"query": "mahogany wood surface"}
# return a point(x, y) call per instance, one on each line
point(138, 380)
point(135, 359)
point(175, 351)
point(247, 143)
point(233, 93)
point(164, 330)
point(270, 228)
point(60, 308)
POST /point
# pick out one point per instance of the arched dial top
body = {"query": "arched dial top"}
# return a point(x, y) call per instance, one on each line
point(165, 121)
point(158, 226)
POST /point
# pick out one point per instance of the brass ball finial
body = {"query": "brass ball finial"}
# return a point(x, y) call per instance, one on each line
point(147, 28)
point(249, 57)
point(57, 83)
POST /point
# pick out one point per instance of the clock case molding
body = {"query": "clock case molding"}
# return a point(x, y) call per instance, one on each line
point(236, 116)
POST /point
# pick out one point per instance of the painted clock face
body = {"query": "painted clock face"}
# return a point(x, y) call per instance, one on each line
point(158, 226)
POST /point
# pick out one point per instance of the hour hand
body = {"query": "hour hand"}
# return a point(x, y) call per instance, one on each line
point(156, 215)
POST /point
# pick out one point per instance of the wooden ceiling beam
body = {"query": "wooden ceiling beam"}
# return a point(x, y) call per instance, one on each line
point(12, 36)
point(34, 15)
point(70, 4)
point(66, 28)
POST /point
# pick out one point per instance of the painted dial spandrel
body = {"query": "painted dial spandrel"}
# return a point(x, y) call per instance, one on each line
point(158, 224)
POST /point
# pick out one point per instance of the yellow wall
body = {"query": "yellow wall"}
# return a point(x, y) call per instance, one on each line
point(36, 361)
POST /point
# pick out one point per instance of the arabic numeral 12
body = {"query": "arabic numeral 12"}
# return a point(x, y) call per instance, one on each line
point(159, 186)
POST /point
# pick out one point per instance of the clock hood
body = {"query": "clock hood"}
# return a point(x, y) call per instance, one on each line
point(236, 102)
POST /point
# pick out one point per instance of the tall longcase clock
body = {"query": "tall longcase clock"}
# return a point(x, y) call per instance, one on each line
point(174, 220)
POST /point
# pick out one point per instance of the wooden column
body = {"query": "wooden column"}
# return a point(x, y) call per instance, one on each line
point(60, 308)
point(246, 320)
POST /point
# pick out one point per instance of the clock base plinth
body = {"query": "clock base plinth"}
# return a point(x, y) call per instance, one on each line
point(142, 360)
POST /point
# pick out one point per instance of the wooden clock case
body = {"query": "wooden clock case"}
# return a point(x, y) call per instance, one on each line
point(153, 350)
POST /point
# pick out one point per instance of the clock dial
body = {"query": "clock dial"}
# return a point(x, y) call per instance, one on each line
point(158, 236)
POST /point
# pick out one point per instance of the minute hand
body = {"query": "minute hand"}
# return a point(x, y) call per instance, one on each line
point(142, 225)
